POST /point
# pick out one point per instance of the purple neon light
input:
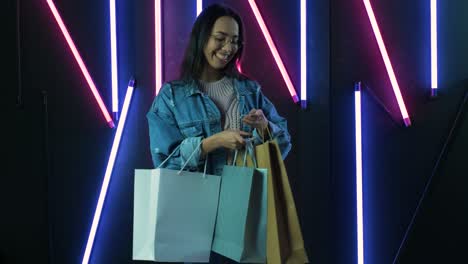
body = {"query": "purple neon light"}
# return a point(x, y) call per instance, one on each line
point(303, 54)
point(108, 173)
point(434, 81)
point(359, 202)
point(199, 6)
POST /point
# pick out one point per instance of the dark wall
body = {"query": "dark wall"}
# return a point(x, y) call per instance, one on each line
point(439, 233)
point(23, 190)
point(397, 161)
point(61, 144)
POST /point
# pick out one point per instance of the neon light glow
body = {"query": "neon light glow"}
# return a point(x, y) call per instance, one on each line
point(434, 47)
point(274, 50)
point(388, 64)
point(303, 54)
point(239, 66)
point(359, 202)
point(108, 173)
point(83, 68)
point(199, 6)
point(113, 31)
point(158, 51)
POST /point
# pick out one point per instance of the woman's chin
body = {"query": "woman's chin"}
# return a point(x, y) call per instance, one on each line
point(219, 66)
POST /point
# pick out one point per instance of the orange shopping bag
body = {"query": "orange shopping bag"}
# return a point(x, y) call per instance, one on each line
point(285, 244)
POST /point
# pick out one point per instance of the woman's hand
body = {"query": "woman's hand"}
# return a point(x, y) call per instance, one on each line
point(229, 139)
point(256, 119)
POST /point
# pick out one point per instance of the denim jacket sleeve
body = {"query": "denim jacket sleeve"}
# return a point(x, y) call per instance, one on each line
point(277, 124)
point(165, 135)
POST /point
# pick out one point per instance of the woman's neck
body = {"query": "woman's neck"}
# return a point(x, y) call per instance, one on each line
point(211, 75)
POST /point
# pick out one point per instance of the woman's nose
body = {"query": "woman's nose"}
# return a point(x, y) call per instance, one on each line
point(228, 47)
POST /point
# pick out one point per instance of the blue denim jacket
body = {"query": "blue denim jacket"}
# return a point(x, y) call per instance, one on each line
point(183, 115)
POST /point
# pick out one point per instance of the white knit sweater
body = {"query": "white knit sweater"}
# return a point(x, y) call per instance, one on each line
point(223, 95)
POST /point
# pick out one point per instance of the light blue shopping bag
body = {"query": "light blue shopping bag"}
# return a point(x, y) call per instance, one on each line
point(241, 224)
point(174, 215)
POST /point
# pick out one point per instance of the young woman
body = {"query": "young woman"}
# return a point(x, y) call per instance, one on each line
point(212, 108)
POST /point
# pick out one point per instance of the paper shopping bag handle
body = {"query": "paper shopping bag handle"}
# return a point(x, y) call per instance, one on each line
point(190, 157)
point(263, 136)
point(168, 157)
point(248, 149)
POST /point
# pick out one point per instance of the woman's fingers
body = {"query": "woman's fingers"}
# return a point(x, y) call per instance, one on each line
point(259, 114)
point(245, 134)
point(256, 119)
point(255, 115)
point(234, 139)
point(250, 120)
point(239, 139)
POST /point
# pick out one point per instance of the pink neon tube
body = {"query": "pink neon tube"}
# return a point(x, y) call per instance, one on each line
point(83, 68)
point(274, 51)
point(388, 64)
point(158, 47)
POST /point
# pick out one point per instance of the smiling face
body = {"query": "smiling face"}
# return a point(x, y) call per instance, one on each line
point(221, 46)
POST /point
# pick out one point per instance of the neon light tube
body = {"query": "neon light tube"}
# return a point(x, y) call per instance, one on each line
point(274, 50)
point(108, 173)
point(388, 64)
point(359, 202)
point(158, 51)
point(434, 81)
point(199, 6)
point(83, 68)
point(113, 31)
point(303, 54)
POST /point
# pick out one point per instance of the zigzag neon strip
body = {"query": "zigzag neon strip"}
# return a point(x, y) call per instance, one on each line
point(83, 68)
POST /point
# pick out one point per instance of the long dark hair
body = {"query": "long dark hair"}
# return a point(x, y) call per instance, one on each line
point(194, 58)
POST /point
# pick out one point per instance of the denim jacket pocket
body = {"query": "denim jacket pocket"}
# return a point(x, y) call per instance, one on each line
point(192, 130)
